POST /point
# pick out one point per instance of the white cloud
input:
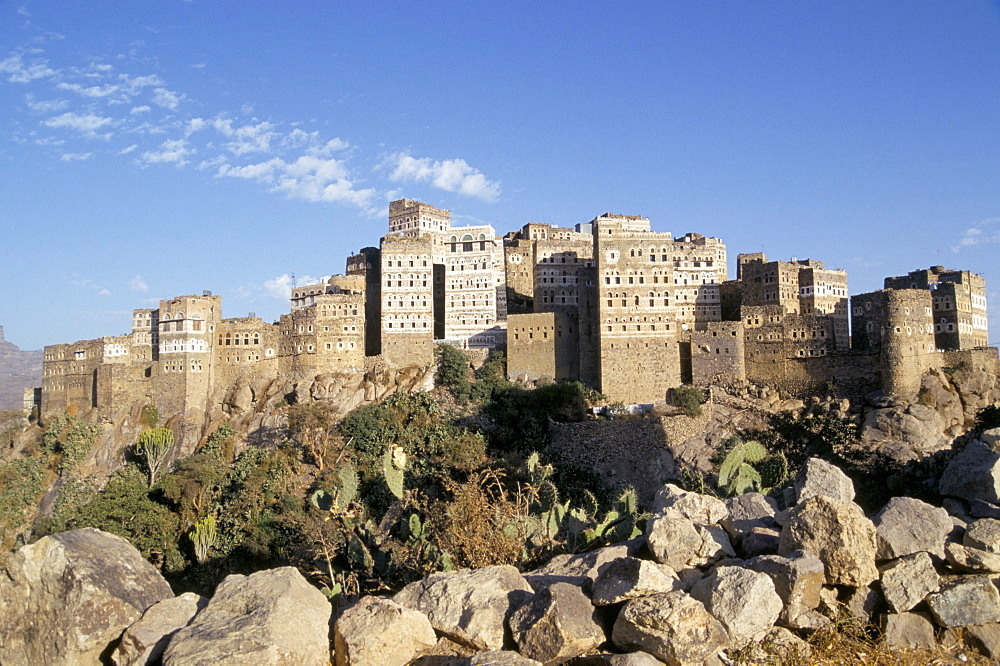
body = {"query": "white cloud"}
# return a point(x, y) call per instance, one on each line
point(309, 178)
point(19, 72)
point(979, 234)
point(75, 157)
point(450, 175)
point(140, 109)
point(246, 139)
point(126, 151)
point(138, 284)
point(167, 98)
point(172, 151)
point(45, 106)
point(88, 124)
point(90, 91)
point(104, 292)
point(281, 286)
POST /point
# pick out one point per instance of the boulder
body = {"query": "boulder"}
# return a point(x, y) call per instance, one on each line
point(971, 560)
point(577, 569)
point(782, 644)
point(908, 630)
point(676, 541)
point(965, 600)
point(973, 474)
point(760, 541)
point(558, 624)
point(673, 627)
point(726, 594)
point(818, 477)
point(469, 606)
point(630, 577)
point(746, 512)
point(838, 533)
point(500, 658)
point(984, 638)
point(630, 659)
point(861, 602)
point(380, 632)
point(907, 581)
point(696, 507)
point(907, 525)
point(983, 534)
point(797, 579)
point(144, 642)
point(65, 597)
point(272, 616)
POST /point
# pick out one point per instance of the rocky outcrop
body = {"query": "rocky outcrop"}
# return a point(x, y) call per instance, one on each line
point(269, 617)
point(380, 632)
point(470, 606)
point(144, 642)
point(67, 597)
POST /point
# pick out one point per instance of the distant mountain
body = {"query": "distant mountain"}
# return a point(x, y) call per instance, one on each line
point(18, 370)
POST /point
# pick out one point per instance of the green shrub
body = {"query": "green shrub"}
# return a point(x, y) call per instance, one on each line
point(690, 399)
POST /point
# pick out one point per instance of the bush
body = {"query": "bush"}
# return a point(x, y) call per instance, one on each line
point(690, 399)
point(453, 371)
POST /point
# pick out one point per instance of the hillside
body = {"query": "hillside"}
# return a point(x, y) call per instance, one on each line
point(18, 370)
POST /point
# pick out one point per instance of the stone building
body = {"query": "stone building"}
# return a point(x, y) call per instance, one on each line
point(626, 310)
point(958, 303)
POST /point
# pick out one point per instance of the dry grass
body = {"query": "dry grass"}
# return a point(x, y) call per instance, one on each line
point(849, 644)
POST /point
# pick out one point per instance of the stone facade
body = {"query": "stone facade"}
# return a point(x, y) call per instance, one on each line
point(958, 303)
point(626, 310)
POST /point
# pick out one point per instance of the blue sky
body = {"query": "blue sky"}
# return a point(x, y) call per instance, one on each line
point(160, 148)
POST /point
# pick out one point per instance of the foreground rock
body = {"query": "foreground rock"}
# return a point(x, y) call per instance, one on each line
point(973, 474)
point(270, 617)
point(743, 600)
point(66, 597)
point(673, 627)
point(145, 641)
point(558, 624)
point(470, 606)
point(965, 600)
point(380, 632)
point(839, 534)
point(906, 525)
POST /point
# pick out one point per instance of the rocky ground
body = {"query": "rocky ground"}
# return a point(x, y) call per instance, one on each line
point(710, 582)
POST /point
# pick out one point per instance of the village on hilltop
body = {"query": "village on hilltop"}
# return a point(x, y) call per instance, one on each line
point(629, 311)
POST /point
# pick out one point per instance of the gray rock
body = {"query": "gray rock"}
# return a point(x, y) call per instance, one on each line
point(469, 606)
point(973, 474)
point(380, 632)
point(65, 597)
point(908, 630)
point(990, 437)
point(985, 638)
point(630, 659)
point(907, 581)
point(272, 616)
point(981, 509)
point(559, 623)
point(797, 579)
point(630, 577)
point(838, 533)
point(746, 512)
point(760, 541)
point(501, 658)
point(983, 534)
point(906, 525)
point(726, 594)
point(861, 602)
point(673, 627)
point(965, 600)
point(818, 477)
point(782, 644)
point(971, 560)
point(144, 642)
point(696, 507)
point(579, 569)
point(676, 541)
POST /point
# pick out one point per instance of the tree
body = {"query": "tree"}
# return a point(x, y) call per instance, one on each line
point(153, 447)
point(313, 425)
